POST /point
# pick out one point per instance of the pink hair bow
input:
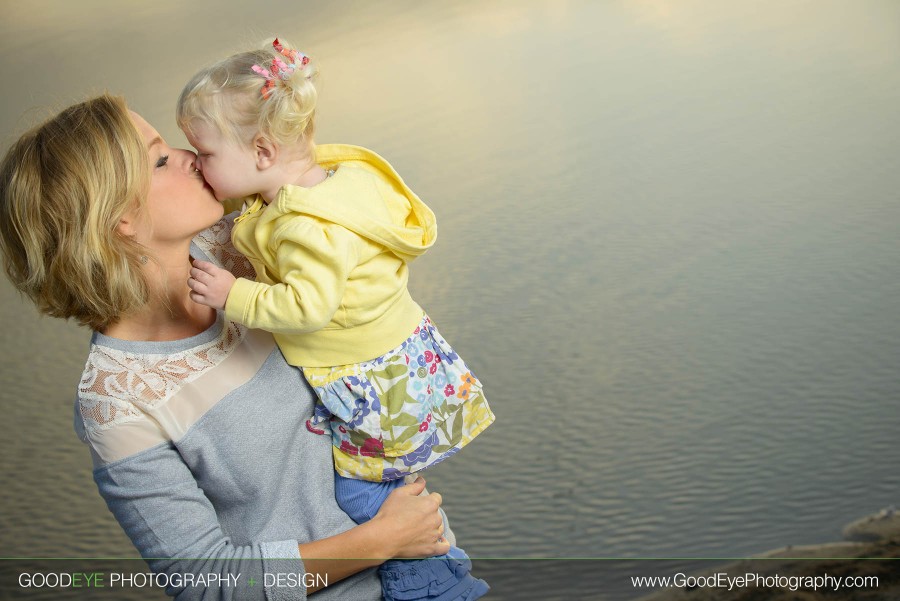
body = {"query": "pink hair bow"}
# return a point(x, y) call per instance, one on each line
point(270, 80)
point(280, 70)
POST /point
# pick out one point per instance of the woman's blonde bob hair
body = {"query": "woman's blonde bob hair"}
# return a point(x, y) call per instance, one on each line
point(228, 96)
point(64, 187)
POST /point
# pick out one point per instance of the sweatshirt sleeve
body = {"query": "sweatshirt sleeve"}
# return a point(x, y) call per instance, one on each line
point(158, 503)
point(314, 259)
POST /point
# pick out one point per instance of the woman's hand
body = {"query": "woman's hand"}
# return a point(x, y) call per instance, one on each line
point(406, 526)
point(411, 523)
point(210, 284)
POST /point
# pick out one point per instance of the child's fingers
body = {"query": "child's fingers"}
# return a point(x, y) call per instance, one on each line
point(201, 299)
point(201, 275)
point(205, 266)
point(197, 286)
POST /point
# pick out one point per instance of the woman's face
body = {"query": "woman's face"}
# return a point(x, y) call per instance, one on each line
point(179, 204)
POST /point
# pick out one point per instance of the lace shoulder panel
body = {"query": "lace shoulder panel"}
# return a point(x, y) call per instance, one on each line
point(216, 243)
point(121, 386)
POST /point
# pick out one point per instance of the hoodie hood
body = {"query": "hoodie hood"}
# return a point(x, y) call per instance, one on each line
point(366, 196)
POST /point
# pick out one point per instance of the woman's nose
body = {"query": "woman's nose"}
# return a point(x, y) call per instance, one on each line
point(191, 160)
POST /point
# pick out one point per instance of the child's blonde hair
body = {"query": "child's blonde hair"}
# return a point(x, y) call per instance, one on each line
point(64, 187)
point(230, 96)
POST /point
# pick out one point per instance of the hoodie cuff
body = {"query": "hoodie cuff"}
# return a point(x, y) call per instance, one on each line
point(237, 304)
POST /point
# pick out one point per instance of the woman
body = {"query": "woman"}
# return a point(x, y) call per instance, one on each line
point(194, 424)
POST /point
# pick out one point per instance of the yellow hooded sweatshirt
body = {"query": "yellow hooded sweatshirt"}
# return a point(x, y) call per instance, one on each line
point(331, 261)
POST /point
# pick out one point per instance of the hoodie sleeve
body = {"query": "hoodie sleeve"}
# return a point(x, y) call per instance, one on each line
point(314, 259)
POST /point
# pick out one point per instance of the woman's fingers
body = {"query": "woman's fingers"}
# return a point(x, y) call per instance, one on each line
point(442, 547)
point(414, 520)
point(415, 488)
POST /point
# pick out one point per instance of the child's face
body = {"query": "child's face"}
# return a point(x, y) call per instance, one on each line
point(228, 167)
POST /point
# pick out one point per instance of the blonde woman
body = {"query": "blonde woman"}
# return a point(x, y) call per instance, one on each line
point(195, 424)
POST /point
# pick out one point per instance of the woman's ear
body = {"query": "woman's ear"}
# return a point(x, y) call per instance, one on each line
point(127, 225)
point(132, 222)
point(266, 152)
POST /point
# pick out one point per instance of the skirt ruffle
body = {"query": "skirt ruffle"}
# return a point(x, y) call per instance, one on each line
point(399, 413)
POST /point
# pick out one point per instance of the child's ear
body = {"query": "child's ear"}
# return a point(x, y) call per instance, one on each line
point(266, 152)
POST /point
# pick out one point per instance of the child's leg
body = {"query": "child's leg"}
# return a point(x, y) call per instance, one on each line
point(361, 499)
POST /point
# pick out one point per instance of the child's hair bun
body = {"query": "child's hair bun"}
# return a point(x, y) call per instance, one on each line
point(290, 96)
point(270, 90)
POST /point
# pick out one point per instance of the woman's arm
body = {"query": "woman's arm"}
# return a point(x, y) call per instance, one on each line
point(158, 503)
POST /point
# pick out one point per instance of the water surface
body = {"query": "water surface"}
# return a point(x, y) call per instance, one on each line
point(668, 246)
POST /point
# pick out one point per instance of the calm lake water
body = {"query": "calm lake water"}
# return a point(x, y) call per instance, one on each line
point(669, 245)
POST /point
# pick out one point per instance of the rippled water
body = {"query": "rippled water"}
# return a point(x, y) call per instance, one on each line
point(668, 245)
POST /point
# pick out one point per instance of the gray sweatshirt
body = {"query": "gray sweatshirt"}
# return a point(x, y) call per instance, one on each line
point(201, 452)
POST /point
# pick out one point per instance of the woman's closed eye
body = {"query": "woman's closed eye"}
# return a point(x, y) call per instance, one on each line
point(161, 162)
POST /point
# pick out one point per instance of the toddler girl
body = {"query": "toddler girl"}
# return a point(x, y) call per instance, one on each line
point(330, 230)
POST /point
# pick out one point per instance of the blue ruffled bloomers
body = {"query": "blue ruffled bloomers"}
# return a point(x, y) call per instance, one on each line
point(444, 578)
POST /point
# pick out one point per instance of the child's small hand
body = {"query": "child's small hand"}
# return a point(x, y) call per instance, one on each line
point(210, 284)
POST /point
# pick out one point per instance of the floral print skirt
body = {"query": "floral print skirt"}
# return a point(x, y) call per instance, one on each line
point(399, 413)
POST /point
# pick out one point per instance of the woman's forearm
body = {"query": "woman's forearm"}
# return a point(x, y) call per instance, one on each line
point(342, 555)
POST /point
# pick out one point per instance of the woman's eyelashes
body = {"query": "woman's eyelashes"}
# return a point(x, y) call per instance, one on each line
point(161, 162)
